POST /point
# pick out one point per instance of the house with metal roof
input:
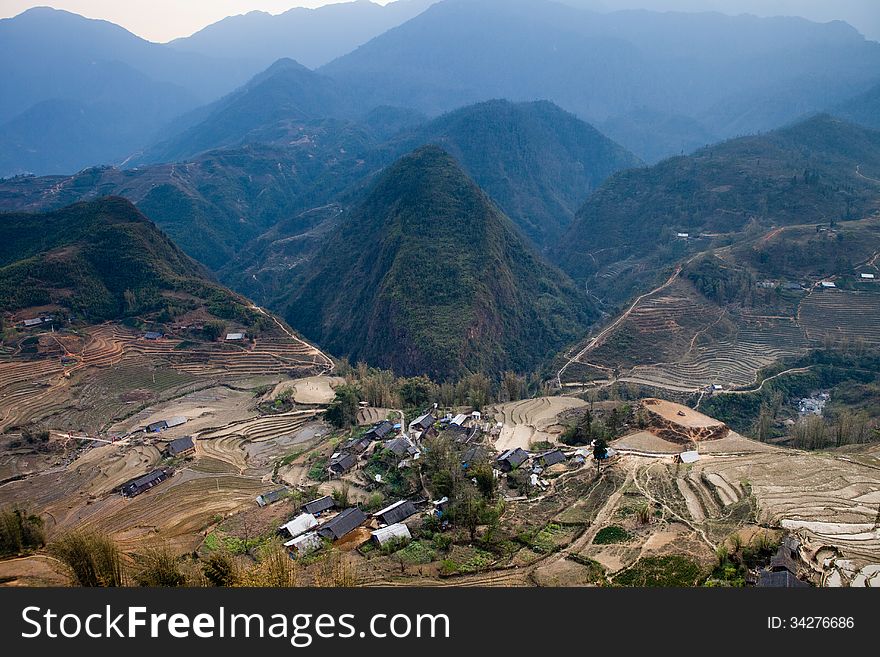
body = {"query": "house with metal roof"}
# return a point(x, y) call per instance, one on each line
point(551, 458)
point(156, 427)
point(305, 544)
point(512, 459)
point(152, 335)
point(180, 447)
point(319, 505)
point(422, 423)
point(299, 525)
point(401, 447)
point(342, 462)
point(398, 532)
point(380, 431)
point(270, 498)
point(176, 421)
point(142, 484)
point(235, 337)
point(397, 512)
point(342, 524)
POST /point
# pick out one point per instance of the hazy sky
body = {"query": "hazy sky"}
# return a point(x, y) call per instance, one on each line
point(163, 20)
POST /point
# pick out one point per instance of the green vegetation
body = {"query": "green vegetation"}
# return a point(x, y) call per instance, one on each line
point(674, 571)
point(611, 534)
point(91, 559)
point(342, 411)
point(427, 277)
point(158, 567)
point(104, 260)
point(20, 532)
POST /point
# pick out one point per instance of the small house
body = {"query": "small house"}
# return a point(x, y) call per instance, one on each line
point(828, 285)
point(342, 463)
point(180, 447)
point(305, 544)
point(397, 512)
point(401, 447)
point(152, 335)
point(343, 524)
point(156, 427)
point(782, 579)
point(422, 423)
point(868, 277)
point(355, 445)
point(299, 525)
point(473, 454)
point(142, 484)
point(234, 337)
point(551, 458)
point(398, 532)
point(512, 459)
point(270, 498)
point(319, 506)
point(380, 431)
point(36, 321)
point(683, 236)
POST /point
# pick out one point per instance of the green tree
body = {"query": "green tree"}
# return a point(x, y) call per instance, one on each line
point(342, 411)
point(600, 452)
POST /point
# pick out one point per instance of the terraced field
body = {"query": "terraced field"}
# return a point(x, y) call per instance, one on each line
point(733, 362)
point(842, 315)
point(531, 420)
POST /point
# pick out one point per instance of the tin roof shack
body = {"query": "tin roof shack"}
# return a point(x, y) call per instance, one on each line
point(152, 335)
point(299, 525)
point(235, 337)
point(320, 505)
point(142, 484)
point(180, 447)
point(783, 568)
point(157, 427)
point(512, 459)
point(401, 447)
point(343, 524)
point(270, 498)
point(176, 421)
point(385, 535)
point(342, 463)
point(355, 445)
point(304, 545)
point(396, 513)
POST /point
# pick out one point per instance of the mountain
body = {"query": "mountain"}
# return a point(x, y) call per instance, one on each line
point(654, 135)
point(102, 86)
point(213, 204)
point(427, 276)
point(104, 260)
point(537, 162)
point(270, 108)
point(816, 171)
point(311, 36)
point(864, 109)
point(730, 74)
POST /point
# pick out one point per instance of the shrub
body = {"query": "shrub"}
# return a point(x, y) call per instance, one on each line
point(20, 532)
point(91, 559)
point(159, 567)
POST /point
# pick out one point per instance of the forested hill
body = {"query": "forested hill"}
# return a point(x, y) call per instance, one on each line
point(427, 276)
point(104, 260)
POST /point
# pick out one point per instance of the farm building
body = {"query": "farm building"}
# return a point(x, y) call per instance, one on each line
point(342, 463)
point(145, 483)
point(36, 321)
point(305, 544)
point(176, 422)
point(397, 512)
point(299, 525)
point(235, 337)
point(868, 277)
point(344, 523)
point(270, 498)
point(380, 431)
point(180, 447)
point(828, 284)
point(152, 335)
point(512, 459)
point(689, 457)
point(318, 506)
point(422, 423)
point(398, 532)
point(779, 580)
point(683, 236)
point(551, 458)
point(156, 427)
